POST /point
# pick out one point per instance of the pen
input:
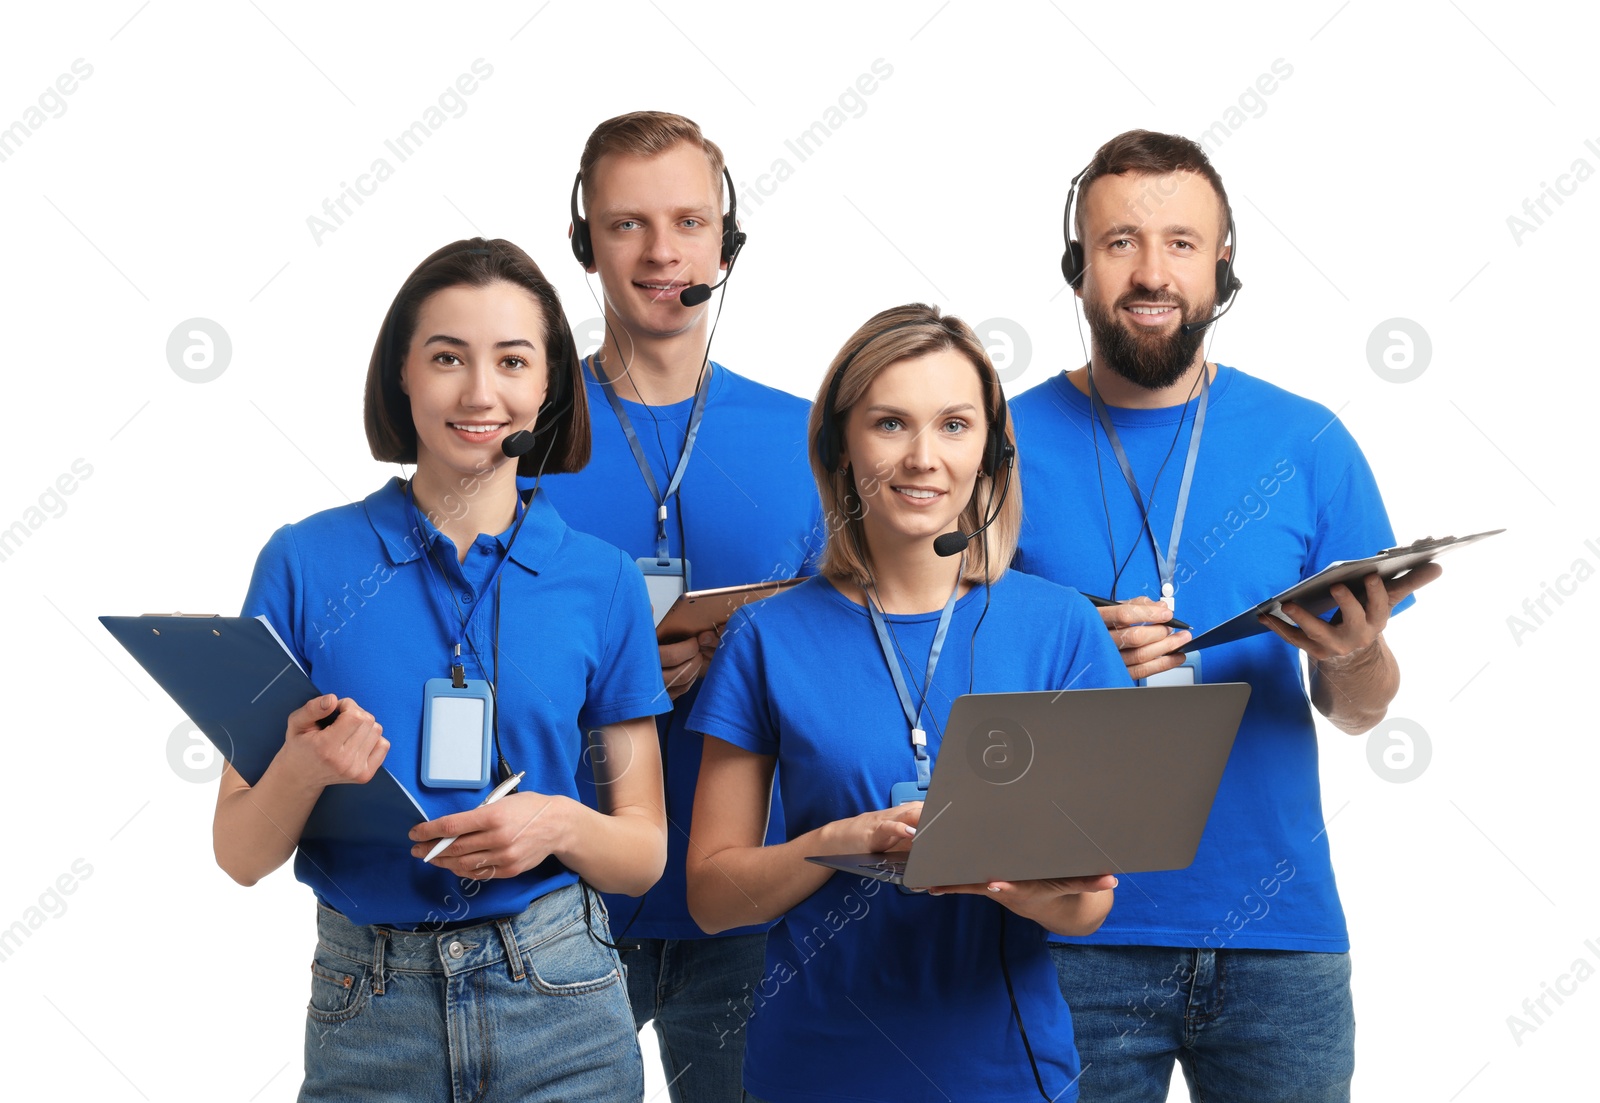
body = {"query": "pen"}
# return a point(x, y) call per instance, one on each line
point(1103, 602)
point(500, 790)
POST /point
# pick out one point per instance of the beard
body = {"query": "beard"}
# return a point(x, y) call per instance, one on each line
point(1150, 360)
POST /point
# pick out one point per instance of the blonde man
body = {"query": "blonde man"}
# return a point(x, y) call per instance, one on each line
point(700, 475)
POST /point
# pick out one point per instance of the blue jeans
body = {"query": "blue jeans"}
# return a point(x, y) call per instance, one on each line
point(530, 1007)
point(1248, 1026)
point(695, 989)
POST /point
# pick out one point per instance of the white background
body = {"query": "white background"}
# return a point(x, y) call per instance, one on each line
point(1374, 183)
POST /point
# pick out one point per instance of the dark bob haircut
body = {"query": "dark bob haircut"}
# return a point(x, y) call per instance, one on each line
point(563, 423)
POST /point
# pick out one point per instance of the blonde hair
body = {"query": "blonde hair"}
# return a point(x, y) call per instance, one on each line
point(889, 337)
point(646, 134)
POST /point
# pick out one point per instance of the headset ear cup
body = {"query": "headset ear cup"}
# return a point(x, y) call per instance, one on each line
point(580, 243)
point(1225, 283)
point(996, 449)
point(582, 246)
point(997, 452)
point(569, 368)
point(826, 447)
point(559, 390)
point(733, 238)
point(1072, 265)
point(1228, 281)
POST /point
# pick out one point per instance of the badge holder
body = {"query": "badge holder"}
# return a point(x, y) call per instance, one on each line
point(904, 792)
point(1186, 675)
point(666, 580)
point(457, 731)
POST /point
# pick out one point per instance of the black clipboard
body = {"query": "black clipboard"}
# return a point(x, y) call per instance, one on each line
point(237, 683)
point(1313, 593)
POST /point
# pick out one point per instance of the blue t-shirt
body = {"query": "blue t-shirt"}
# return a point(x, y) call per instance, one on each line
point(869, 993)
point(1280, 490)
point(749, 510)
point(357, 598)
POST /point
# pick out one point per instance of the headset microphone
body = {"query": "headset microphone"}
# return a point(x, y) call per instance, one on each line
point(954, 543)
point(519, 444)
point(697, 293)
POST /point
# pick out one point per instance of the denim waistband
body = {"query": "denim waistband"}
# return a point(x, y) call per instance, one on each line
point(454, 952)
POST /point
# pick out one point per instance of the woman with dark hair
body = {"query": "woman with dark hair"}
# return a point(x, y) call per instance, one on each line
point(842, 686)
point(484, 969)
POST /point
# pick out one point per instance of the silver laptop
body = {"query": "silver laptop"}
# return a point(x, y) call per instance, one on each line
point(1066, 783)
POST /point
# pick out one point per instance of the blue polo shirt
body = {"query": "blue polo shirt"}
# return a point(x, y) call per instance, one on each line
point(749, 511)
point(869, 993)
point(356, 593)
point(1280, 490)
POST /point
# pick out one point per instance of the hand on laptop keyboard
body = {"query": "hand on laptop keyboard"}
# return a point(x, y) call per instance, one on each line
point(877, 832)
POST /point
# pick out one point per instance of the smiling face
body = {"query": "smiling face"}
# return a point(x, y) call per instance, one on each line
point(914, 441)
point(475, 372)
point(656, 224)
point(1151, 246)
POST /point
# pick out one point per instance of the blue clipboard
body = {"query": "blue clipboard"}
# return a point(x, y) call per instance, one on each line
point(238, 684)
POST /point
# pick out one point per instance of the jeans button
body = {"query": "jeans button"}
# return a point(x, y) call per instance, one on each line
point(455, 949)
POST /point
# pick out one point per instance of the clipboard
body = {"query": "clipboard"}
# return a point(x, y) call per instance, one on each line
point(708, 610)
point(237, 683)
point(1313, 593)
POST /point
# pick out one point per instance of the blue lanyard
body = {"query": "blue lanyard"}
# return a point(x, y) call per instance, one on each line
point(695, 414)
point(919, 738)
point(456, 670)
point(1167, 566)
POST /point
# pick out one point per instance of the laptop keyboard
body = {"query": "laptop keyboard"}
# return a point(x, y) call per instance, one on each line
point(886, 865)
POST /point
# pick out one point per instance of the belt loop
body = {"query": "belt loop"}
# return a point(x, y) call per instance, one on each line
point(377, 960)
point(508, 935)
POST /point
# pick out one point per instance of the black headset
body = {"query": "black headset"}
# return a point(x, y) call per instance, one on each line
point(1073, 267)
point(829, 442)
point(733, 238)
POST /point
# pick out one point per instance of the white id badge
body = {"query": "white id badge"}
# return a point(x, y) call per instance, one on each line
point(1186, 675)
point(666, 580)
point(457, 727)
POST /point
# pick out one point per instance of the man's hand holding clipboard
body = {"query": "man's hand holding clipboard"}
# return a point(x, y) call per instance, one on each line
point(1383, 580)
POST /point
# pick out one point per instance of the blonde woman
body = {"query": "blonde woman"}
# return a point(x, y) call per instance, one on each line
point(869, 994)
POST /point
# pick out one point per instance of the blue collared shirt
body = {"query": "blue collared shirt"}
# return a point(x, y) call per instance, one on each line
point(357, 593)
